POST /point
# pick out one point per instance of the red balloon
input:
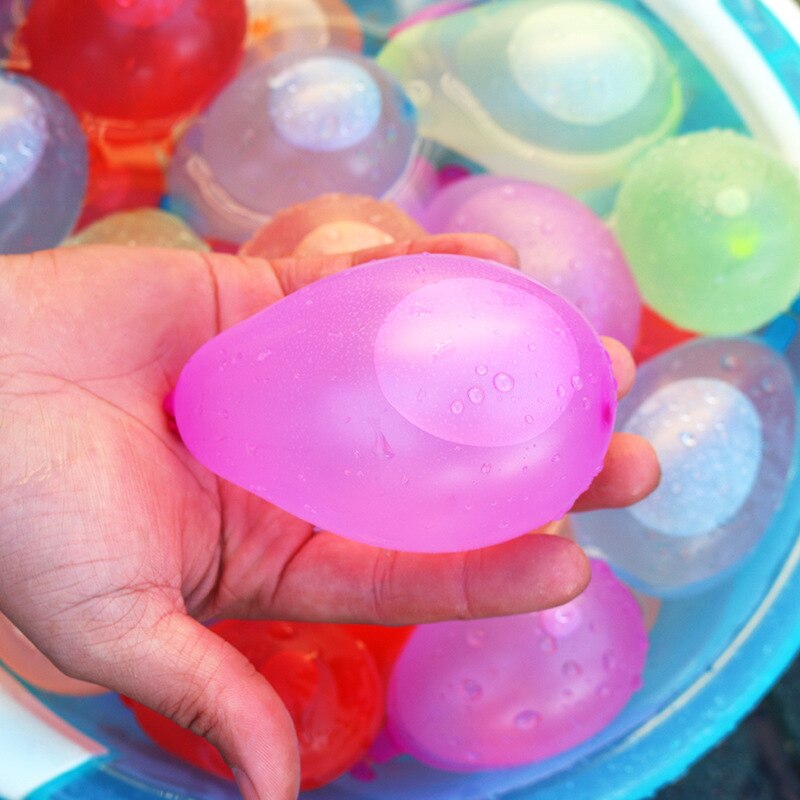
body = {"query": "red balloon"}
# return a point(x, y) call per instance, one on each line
point(135, 60)
point(325, 677)
point(657, 335)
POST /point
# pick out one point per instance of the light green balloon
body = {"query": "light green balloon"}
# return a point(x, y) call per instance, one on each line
point(710, 225)
point(144, 227)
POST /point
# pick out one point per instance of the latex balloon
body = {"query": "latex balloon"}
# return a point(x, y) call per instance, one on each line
point(288, 130)
point(708, 222)
point(720, 414)
point(657, 335)
point(277, 26)
point(424, 403)
point(560, 242)
point(577, 88)
point(144, 227)
point(44, 165)
point(323, 675)
point(332, 224)
point(138, 61)
point(507, 691)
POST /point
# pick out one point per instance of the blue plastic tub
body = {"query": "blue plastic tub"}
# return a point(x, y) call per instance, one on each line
point(712, 656)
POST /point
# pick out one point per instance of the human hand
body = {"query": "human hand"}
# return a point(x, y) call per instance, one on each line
point(115, 544)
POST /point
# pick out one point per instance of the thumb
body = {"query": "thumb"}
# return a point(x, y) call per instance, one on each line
point(184, 671)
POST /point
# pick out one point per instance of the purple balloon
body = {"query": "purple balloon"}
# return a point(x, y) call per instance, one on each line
point(561, 243)
point(424, 403)
point(502, 692)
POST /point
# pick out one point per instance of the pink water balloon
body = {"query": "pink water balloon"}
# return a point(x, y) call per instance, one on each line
point(502, 692)
point(426, 403)
point(560, 242)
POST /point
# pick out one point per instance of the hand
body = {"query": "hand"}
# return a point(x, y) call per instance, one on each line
point(115, 543)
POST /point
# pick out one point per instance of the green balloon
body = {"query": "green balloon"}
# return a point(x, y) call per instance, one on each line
point(710, 224)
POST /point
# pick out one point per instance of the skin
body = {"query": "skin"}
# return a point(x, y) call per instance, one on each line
point(115, 544)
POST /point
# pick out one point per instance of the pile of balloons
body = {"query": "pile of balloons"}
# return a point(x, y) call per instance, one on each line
point(433, 403)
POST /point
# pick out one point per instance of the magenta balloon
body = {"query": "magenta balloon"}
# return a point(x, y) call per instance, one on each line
point(560, 242)
point(428, 403)
point(513, 690)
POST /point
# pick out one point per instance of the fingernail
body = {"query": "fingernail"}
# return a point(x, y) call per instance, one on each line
point(245, 784)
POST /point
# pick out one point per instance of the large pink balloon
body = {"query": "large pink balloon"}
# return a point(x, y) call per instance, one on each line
point(560, 242)
point(513, 690)
point(425, 403)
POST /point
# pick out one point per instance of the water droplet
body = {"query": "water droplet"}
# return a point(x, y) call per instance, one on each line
point(476, 637)
point(486, 469)
point(456, 406)
point(571, 669)
point(382, 446)
point(587, 403)
point(532, 347)
point(548, 644)
point(729, 362)
point(561, 391)
point(421, 395)
point(503, 382)
point(556, 458)
point(688, 439)
point(577, 383)
point(526, 720)
point(263, 356)
point(476, 394)
point(481, 369)
point(609, 660)
point(472, 689)
point(529, 419)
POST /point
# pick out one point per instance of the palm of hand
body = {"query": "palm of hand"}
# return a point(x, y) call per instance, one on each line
point(110, 532)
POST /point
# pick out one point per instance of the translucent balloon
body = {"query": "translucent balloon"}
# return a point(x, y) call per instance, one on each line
point(720, 414)
point(424, 403)
point(139, 61)
point(576, 90)
point(708, 222)
point(277, 26)
point(502, 692)
point(291, 129)
point(331, 224)
point(44, 159)
point(144, 227)
point(560, 242)
point(325, 677)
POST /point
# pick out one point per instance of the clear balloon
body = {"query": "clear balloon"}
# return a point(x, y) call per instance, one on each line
point(298, 126)
point(507, 691)
point(720, 414)
point(560, 243)
point(424, 403)
point(577, 89)
point(45, 166)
